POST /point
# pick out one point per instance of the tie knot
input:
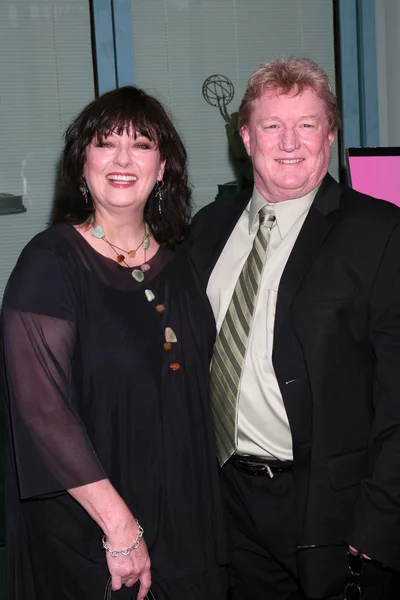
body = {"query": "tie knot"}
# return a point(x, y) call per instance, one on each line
point(266, 216)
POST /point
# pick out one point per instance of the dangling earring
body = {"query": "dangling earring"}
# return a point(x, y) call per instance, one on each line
point(84, 190)
point(159, 194)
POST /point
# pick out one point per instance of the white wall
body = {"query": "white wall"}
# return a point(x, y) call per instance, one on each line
point(387, 14)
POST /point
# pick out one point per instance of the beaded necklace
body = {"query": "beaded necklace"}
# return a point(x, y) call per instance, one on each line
point(137, 273)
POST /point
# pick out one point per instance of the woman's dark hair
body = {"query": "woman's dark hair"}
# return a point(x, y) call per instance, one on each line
point(117, 111)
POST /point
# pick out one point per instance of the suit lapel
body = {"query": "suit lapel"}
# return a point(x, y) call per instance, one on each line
point(217, 230)
point(316, 227)
point(230, 213)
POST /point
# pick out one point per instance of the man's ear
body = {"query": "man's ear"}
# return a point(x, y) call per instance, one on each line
point(245, 133)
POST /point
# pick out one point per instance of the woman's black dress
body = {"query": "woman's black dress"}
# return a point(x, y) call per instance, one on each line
point(89, 394)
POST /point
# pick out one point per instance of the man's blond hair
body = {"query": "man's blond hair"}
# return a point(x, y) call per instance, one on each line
point(290, 76)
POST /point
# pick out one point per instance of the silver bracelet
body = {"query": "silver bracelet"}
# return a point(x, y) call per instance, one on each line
point(124, 551)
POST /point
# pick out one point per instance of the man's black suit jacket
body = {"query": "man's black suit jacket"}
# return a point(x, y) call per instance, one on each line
point(336, 357)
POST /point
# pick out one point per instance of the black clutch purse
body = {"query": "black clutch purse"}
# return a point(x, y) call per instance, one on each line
point(353, 589)
point(129, 593)
point(109, 594)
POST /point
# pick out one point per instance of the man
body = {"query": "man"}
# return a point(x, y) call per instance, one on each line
point(303, 277)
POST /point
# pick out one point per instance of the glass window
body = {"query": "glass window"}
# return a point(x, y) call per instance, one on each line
point(178, 44)
point(46, 77)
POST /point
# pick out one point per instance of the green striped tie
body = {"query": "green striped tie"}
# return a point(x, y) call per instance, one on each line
point(231, 343)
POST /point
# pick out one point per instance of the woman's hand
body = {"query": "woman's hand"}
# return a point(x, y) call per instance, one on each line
point(107, 508)
point(127, 570)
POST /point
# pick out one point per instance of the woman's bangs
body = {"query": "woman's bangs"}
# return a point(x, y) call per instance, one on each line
point(126, 121)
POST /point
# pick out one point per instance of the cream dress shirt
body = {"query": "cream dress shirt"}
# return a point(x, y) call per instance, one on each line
point(263, 427)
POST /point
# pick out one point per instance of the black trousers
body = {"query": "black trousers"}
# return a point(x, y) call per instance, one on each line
point(262, 522)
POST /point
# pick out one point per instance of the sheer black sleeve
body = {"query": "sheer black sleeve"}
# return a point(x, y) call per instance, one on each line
point(51, 446)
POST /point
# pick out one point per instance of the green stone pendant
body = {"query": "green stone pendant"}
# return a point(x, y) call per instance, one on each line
point(98, 232)
point(138, 275)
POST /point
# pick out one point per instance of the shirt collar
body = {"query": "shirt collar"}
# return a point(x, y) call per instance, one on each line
point(287, 212)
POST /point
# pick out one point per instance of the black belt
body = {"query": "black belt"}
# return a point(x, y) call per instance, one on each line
point(253, 465)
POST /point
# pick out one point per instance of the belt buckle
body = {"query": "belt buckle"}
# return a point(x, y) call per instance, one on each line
point(255, 468)
point(269, 471)
point(265, 467)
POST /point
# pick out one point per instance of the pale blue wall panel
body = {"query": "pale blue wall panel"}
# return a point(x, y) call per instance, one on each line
point(104, 45)
point(349, 73)
point(123, 35)
point(368, 73)
point(358, 73)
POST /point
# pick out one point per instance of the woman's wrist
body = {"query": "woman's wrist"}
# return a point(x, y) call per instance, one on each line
point(115, 552)
point(121, 528)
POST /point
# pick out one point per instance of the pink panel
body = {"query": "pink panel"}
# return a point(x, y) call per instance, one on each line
point(377, 176)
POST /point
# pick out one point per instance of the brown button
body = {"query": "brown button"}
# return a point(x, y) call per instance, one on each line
point(175, 366)
point(167, 346)
point(160, 308)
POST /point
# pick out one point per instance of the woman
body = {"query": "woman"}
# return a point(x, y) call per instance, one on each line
point(107, 339)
